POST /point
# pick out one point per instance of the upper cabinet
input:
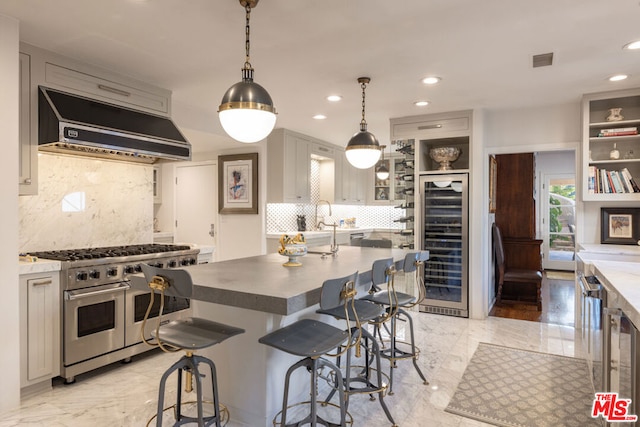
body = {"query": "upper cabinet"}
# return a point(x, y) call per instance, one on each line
point(298, 163)
point(288, 167)
point(611, 146)
point(351, 184)
point(430, 131)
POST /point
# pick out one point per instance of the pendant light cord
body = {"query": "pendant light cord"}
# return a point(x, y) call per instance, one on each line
point(247, 31)
point(363, 122)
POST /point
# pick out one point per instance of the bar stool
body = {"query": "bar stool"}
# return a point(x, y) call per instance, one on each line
point(312, 340)
point(359, 311)
point(396, 305)
point(187, 335)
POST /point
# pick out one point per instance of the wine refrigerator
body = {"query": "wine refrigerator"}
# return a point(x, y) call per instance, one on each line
point(443, 230)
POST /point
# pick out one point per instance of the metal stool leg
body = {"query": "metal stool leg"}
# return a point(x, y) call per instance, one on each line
point(413, 346)
point(163, 381)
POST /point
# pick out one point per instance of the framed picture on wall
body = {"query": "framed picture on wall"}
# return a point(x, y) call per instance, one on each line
point(620, 226)
point(238, 184)
point(492, 183)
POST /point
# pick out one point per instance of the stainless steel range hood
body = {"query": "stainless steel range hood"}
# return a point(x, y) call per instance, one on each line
point(72, 124)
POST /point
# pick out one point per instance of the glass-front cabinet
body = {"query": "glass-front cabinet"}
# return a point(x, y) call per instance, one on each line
point(444, 233)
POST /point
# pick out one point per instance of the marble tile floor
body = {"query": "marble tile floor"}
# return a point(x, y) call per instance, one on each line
point(125, 394)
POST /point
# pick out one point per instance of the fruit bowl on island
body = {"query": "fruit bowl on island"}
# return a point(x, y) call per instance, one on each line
point(292, 247)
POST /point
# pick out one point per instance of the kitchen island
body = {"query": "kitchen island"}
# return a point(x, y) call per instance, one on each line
point(260, 295)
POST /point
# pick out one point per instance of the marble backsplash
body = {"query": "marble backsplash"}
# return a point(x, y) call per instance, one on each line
point(84, 202)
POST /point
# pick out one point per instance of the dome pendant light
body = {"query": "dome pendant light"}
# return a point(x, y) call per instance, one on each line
point(382, 172)
point(363, 149)
point(246, 112)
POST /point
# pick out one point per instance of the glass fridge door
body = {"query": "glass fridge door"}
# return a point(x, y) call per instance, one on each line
point(445, 235)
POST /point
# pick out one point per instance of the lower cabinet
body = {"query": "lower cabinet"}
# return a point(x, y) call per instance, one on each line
point(39, 327)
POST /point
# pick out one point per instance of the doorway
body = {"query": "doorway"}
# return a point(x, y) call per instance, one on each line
point(196, 198)
point(558, 229)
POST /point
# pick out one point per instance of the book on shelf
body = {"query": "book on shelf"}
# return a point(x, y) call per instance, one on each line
point(618, 132)
point(602, 181)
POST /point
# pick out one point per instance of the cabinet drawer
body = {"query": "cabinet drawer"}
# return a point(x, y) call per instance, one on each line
point(91, 86)
point(431, 127)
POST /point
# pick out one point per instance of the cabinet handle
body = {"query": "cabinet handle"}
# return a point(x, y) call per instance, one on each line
point(42, 282)
point(27, 181)
point(438, 126)
point(114, 90)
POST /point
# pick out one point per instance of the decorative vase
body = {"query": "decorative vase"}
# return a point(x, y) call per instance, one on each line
point(614, 115)
point(445, 156)
point(293, 248)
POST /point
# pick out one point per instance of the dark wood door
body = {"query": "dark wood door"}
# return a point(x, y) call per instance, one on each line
point(515, 205)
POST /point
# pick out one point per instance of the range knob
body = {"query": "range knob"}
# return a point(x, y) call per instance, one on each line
point(184, 262)
point(112, 271)
point(138, 268)
point(94, 274)
point(81, 275)
point(172, 264)
point(128, 269)
point(192, 261)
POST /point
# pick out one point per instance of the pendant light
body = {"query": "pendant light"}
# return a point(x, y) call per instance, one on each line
point(382, 172)
point(363, 149)
point(246, 112)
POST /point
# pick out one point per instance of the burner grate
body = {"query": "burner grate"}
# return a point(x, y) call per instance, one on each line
point(108, 252)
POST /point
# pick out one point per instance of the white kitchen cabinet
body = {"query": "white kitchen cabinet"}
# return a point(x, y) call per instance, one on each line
point(28, 153)
point(39, 327)
point(601, 135)
point(351, 184)
point(288, 167)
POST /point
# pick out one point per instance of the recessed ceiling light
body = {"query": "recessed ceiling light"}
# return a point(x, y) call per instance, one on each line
point(431, 80)
point(319, 117)
point(618, 77)
point(334, 98)
point(421, 103)
point(632, 45)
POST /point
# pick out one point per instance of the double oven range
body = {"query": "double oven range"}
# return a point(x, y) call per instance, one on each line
point(101, 315)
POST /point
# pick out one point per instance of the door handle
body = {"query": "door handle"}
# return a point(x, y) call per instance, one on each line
point(212, 231)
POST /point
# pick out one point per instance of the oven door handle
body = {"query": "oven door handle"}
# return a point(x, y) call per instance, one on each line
point(72, 295)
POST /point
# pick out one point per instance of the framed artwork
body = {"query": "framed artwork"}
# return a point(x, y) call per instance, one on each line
point(493, 174)
point(238, 184)
point(620, 226)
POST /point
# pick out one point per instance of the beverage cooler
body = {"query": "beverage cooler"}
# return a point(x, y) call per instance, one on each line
point(443, 231)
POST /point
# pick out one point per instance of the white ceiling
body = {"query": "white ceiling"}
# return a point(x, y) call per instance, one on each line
point(304, 50)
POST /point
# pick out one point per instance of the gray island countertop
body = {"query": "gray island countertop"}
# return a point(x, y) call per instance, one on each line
point(262, 283)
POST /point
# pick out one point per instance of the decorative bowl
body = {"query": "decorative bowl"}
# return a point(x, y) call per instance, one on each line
point(293, 251)
point(445, 156)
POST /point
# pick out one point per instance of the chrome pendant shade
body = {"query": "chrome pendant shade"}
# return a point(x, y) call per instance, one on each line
point(363, 150)
point(246, 111)
point(382, 172)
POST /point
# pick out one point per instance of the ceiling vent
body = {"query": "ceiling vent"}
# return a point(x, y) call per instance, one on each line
point(542, 60)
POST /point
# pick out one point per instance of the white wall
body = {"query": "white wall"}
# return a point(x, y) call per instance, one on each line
point(9, 316)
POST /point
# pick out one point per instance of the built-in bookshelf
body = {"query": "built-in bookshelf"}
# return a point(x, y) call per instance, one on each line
point(611, 146)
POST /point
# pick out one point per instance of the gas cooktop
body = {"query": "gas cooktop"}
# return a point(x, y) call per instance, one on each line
point(108, 252)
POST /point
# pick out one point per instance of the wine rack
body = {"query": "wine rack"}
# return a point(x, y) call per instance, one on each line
point(404, 184)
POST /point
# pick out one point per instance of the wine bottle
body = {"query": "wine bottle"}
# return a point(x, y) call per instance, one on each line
point(407, 149)
point(405, 232)
point(404, 219)
point(406, 191)
point(408, 205)
point(407, 163)
point(407, 177)
point(405, 246)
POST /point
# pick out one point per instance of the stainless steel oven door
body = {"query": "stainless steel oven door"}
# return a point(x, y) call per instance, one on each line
point(136, 307)
point(93, 321)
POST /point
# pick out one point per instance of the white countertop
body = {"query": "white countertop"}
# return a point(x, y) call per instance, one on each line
point(39, 266)
point(319, 233)
point(622, 281)
point(610, 249)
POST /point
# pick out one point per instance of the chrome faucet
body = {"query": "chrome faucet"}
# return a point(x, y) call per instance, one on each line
point(334, 244)
point(318, 223)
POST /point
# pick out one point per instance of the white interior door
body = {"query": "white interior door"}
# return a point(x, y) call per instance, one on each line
point(196, 208)
point(558, 221)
